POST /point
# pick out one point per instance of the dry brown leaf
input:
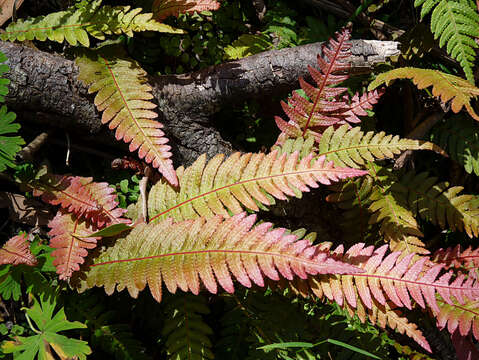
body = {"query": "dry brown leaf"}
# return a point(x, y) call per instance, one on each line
point(6, 7)
point(25, 211)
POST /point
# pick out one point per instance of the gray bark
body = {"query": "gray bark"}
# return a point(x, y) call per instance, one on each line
point(44, 89)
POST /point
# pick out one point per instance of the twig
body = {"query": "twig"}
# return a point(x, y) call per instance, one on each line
point(27, 153)
point(67, 158)
point(417, 133)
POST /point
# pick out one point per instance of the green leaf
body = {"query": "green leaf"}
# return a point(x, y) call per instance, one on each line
point(286, 345)
point(48, 324)
point(352, 348)
point(111, 230)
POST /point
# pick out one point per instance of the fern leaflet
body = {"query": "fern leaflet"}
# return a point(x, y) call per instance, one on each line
point(439, 203)
point(445, 86)
point(187, 334)
point(123, 96)
point(182, 254)
point(456, 316)
point(70, 238)
point(74, 24)
point(460, 138)
point(455, 23)
point(467, 259)
point(16, 251)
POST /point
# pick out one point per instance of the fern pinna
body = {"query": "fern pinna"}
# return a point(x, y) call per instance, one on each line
point(311, 116)
point(456, 24)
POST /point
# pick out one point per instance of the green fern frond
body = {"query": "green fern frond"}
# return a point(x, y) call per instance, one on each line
point(247, 45)
point(187, 334)
point(105, 329)
point(459, 137)
point(248, 180)
point(192, 253)
point(439, 203)
point(385, 208)
point(124, 97)
point(455, 23)
point(75, 24)
point(351, 147)
point(444, 86)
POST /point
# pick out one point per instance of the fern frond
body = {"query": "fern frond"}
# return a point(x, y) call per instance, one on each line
point(108, 329)
point(208, 251)
point(164, 8)
point(242, 180)
point(455, 258)
point(384, 316)
point(456, 316)
point(439, 203)
point(16, 251)
point(459, 137)
point(79, 195)
point(69, 236)
point(75, 24)
point(187, 334)
point(392, 278)
point(445, 86)
point(397, 223)
point(124, 97)
point(247, 45)
point(351, 147)
point(307, 116)
point(455, 23)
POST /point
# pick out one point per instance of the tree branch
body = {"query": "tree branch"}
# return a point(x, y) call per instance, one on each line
point(44, 88)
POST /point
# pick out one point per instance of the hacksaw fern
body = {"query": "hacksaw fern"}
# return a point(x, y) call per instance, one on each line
point(327, 105)
point(124, 97)
point(456, 24)
point(205, 252)
point(75, 24)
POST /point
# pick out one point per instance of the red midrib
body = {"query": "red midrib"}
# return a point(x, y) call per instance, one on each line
point(323, 85)
point(226, 251)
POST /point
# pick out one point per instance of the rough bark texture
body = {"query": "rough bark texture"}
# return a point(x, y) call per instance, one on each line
point(44, 88)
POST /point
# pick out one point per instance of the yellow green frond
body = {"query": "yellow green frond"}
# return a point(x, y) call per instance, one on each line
point(124, 96)
point(445, 86)
point(75, 24)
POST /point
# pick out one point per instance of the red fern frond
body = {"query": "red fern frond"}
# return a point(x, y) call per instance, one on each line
point(81, 196)
point(67, 191)
point(16, 251)
point(455, 258)
point(69, 236)
point(327, 105)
